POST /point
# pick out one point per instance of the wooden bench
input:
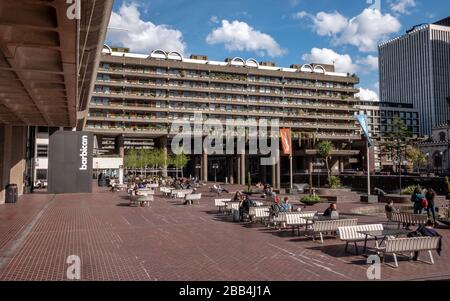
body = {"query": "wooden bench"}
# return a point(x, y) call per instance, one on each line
point(180, 193)
point(259, 213)
point(298, 219)
point(403, 218)
point(350, 234)
point(230, 206)
point(395, 246)
point(165, 191)
point(221, 204)
point(320, 227)
point(190, 198)
point(141, 200)
point(145, 191)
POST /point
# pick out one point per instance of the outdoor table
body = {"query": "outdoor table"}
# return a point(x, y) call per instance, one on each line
point(383, 235)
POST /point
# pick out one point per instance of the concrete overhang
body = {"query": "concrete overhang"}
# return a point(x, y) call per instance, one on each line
point(41, 59)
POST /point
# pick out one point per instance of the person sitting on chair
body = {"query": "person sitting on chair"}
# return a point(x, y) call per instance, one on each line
point(285, 206)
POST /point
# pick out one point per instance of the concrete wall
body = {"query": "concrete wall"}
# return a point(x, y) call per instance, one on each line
point(12, 157)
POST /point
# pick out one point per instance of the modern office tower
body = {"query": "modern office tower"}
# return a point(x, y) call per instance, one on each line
point(415, 69)
point(140, 96)
point(48, 56)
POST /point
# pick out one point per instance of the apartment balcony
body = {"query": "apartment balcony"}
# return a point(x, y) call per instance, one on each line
point(151, 96)
point(227, 112)
point(340, 153)
point(235, 91)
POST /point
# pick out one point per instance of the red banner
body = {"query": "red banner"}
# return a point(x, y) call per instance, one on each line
point(286, 141)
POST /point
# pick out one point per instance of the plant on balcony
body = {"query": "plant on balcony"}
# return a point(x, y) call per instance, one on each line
point(310, 200)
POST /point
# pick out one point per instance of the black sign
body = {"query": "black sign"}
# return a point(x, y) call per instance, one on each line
point(70, 162)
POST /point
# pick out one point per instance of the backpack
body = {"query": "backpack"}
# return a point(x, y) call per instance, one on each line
point(424, 203)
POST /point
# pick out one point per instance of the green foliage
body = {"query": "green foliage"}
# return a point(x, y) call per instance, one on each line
point(249, 182)
point(410, 189)
point(335, 182)
point(447, 185)
point(179, 161)
point(395, 142)
point(416, 157)
point(324, 150)
point(310, 200)
point(131, 159)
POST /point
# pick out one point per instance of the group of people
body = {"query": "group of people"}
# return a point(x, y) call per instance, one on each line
point(424, 201)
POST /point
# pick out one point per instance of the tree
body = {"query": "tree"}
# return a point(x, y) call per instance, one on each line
point(179, 161)
point(131, 160)
point(396, 141)
point(324, 150)
point(416, 157)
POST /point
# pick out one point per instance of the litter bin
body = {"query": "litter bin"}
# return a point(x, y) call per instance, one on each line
point(236, 217)
point(12, 194)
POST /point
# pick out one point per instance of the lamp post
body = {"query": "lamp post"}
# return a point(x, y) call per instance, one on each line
point(215, 166)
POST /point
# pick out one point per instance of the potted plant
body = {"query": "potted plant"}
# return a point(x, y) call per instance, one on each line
point(310, 200)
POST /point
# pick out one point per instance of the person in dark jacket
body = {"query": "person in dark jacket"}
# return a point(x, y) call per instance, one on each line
point(427, 231)
point(417, 198)
point(431, 211)
point(329, 210)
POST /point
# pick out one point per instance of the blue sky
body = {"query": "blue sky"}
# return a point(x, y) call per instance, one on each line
point(345, 32)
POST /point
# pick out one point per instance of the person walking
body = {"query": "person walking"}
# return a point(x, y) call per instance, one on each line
point(416, 199)
point(431, 211)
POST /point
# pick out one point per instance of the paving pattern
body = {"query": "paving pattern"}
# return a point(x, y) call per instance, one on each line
point(170, 241)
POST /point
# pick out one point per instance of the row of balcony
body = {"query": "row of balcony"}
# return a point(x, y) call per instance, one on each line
point(105, 128)
point(225, 78)
point(223, 111)
point(200, 89)
point(296, 103)
point(298, 124)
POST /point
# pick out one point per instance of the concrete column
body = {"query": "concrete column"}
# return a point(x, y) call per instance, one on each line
point(341, 165)
point(121, 146)
point(12, 158)
point(238, 162)
point(204, 165)
point(120, 141)
point(243, 172)
point(163, 145)
point(230, 170)
point(278, 166)
point(276, 172)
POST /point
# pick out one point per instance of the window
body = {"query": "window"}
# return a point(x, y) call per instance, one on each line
point(442, 136)
point(42, 150)
point(41, 174)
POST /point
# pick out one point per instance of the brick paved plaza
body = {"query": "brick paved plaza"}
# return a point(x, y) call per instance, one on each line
point(170, 241)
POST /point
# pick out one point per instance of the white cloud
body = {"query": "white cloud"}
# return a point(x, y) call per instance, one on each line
point(240, 36)
point(342, 62)
point(127, 29)
point(367, 29)
point(403, 6)
point(368, 95)
point(214, 19)
point(325, 24)
point(364, 31)
point(370, 62)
